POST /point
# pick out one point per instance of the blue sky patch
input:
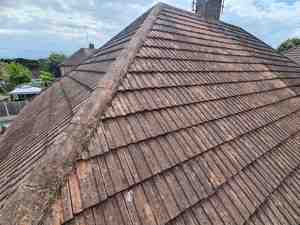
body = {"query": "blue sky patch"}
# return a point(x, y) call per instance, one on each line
point(35, 28)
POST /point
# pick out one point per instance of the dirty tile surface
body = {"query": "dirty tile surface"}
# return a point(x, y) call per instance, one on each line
point(204, 129)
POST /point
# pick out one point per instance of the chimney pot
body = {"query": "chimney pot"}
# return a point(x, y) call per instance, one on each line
point(91, 46)
point(209, 9)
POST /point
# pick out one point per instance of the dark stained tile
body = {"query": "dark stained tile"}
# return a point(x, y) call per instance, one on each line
point(202, 129)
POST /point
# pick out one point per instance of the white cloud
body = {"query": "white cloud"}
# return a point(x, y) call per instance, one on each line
point(35, 18)
point(64, 23)
point(13, 31)
point(271, 20)
point(278, 11)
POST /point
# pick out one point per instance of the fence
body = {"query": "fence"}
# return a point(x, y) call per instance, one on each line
point(11, 108)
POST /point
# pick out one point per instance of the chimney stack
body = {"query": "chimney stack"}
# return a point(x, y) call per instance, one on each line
point(92, 46)
point(209, 9)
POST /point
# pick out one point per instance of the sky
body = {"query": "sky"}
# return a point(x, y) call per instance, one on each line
point(35, 28)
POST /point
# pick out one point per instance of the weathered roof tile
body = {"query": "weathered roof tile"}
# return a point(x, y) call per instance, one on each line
point(200, 126)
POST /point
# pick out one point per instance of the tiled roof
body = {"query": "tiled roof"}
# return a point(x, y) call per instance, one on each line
point(78, 57)
point(294, 54)
point(176, 120)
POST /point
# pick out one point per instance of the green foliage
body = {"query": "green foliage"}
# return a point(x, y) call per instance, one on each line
point(52, 63)
point(44, 65)
point(30, 64)
point(2, 91)
point(3, 73)
point(47, 78)
point(56, 58)
point(288, 44)
point(5, 87)
point(18, 74)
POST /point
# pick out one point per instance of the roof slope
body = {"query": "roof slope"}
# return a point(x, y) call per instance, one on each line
point(78, 57)
point(46, 121)
point(203, 128)
point(294, 54)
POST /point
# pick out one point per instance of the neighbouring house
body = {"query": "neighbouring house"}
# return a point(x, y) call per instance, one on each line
point(35, 71)
point(179, 119)
point(294, 54)
point(76, 59)
point(24, 92)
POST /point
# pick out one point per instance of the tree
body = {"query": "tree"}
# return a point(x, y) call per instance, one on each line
point(47, 78)
point(44, 65)
point(55, 60)
point(18, 74)
point(3, 73)
point(4, 78)
point(288, 44)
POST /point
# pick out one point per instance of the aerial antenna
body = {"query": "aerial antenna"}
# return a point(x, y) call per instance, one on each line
point(194, 6)
point(87, 34)
point(222, 8)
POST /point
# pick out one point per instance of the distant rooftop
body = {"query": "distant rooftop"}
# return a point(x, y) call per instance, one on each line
point(79, 56)
point(26, 90)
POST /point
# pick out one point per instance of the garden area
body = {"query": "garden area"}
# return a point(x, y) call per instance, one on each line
point(36, 73)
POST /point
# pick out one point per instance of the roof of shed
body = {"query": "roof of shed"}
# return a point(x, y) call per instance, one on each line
point(26, 90)
point(78, 57)
point(176, 120)
point(294, 54)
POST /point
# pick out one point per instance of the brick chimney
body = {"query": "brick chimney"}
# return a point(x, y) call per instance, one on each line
point(209, 9)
